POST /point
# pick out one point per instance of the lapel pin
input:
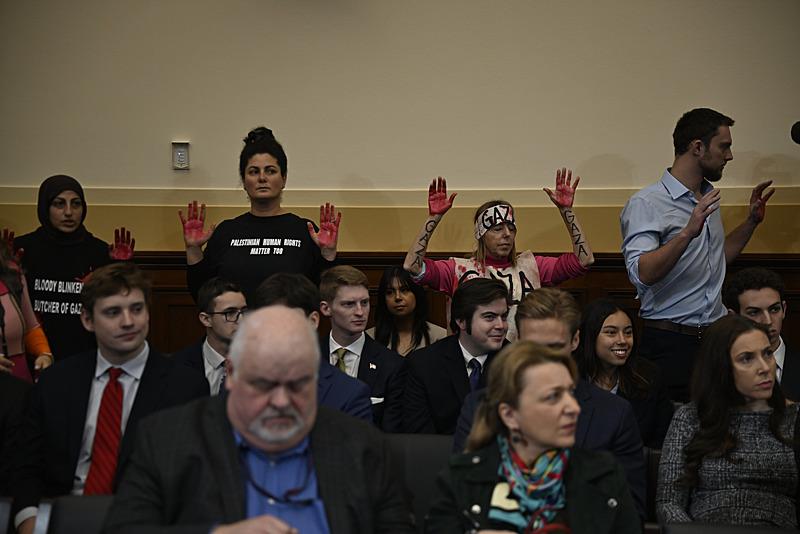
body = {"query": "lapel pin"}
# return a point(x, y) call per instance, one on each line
point(373, 366)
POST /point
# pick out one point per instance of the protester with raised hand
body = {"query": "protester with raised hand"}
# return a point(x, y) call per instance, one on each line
point(265, 240)
point(495, 254)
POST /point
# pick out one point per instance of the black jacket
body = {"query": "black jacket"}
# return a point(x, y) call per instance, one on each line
point(597, 497)
point(57, 415)
point(606, 423)
point(192, 484)
point(384, 371)
point(437, 385)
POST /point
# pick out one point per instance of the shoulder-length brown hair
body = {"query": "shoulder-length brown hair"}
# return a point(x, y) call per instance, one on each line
point(506, 382)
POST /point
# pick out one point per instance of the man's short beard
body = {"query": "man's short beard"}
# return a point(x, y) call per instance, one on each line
point(276, 437)
point(711, 174)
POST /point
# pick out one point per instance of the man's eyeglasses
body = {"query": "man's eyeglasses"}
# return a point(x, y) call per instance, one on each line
point(232, 315)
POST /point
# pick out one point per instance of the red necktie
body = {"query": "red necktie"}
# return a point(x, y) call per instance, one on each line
point(107, 434)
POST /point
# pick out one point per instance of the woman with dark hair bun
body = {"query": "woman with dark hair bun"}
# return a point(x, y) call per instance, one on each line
point(729, 454)
point(265, 240)
point(401, 317)
point(607, 357)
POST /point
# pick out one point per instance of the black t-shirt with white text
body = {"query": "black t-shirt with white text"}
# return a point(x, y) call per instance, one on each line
point(248, 249)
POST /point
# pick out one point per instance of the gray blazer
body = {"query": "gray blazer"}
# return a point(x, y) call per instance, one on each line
point(185, 475)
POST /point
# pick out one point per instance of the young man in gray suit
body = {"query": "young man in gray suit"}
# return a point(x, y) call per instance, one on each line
point(265, 457)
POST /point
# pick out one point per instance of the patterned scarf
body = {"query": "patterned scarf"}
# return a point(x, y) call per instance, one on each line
point(529, 498)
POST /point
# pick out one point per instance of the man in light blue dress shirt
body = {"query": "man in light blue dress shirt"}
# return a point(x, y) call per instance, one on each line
point(675, 247)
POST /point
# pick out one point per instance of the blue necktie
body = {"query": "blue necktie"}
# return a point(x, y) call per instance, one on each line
point(474, 373)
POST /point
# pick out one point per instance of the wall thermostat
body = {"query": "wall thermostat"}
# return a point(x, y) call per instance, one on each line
point(180, 155)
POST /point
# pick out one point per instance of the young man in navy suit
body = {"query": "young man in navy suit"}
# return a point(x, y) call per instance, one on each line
point(221, 305)
point(85, 409)
point(345, 301)
point(334, 388)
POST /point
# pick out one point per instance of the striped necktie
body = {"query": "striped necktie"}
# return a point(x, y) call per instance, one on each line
point(107, 435)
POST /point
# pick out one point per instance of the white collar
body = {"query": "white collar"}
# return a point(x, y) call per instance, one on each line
point(469, 356)
point(356, 347)
point(780, 354)
point(133, 367)
point(213, 358)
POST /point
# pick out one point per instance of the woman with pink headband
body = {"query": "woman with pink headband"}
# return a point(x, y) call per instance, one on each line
point(495, 254)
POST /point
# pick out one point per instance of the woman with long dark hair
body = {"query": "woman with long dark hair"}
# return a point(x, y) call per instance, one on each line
point(607, 357)
point(401, 317)
point(729, 456)
point(495, 254)
point(520, 472)
point(22, 340)
point(265, 240)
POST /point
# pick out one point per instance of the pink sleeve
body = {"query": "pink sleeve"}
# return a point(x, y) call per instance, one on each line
point(553, 271)
point(31, 321)
point(439, 275)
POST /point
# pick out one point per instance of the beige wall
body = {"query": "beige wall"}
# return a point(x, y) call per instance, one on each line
point(373, 97)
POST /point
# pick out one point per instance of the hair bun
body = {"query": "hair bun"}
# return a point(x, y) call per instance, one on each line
point(259, 134)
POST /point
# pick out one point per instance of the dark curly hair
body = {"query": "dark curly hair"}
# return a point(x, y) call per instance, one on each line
point(261, 141)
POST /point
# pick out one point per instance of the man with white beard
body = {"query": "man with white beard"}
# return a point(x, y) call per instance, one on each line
point(264, 457)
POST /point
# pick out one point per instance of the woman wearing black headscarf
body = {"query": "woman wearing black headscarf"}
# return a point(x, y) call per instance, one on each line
point(57, 256)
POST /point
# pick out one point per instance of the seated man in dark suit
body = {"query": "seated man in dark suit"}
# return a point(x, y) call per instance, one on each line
point(334, 388)
point(441, 375)
point(345, 301)
point(14, 394)
point(221, 305)
point(265, 457)
point(550, 316)
point(84, 410)
point(760, 295)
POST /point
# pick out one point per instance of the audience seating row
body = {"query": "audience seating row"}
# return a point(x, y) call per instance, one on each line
point(420, 458)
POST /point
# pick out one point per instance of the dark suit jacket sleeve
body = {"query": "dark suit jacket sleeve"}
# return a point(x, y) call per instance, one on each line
point(790, 379)
point(139, 502)
point(444, 516)
point(359, 404)
point(416, 412)
point(664, 410)
point(27, 476)
point(392, 511)
point(465, 419)
point(395, 392)
point(14, 398)
point(627, 448)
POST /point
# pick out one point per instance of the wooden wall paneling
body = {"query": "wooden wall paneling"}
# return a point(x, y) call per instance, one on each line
point(174, 323)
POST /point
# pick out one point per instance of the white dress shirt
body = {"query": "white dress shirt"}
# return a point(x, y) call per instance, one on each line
point(467, 357)
point(352, 357)
point(780, 356)
point(129, 379)
point(214, 366)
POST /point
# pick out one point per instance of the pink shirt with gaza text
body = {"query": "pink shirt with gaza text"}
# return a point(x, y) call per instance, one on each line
point(529, 273)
